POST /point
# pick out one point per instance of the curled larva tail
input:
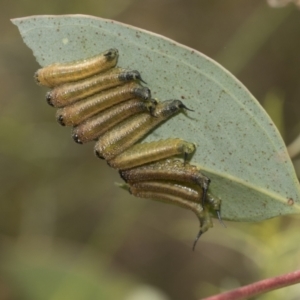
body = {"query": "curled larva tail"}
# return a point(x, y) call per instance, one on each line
point(78, 112)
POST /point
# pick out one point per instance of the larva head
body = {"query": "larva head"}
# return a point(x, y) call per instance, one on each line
point(131, 75)
point(142, 93)
point(76, 138)
point(169, 107)
point(49, 98)
point(111, 54)
point(60, 118)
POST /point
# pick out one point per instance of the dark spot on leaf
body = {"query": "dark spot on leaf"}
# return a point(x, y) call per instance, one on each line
point(290, 202)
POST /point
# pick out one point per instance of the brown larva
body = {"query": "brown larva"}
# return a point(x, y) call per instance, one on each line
point(169, 169)
point(68, 93)
point(140, 154)
point(128, 132)
point(80, 111)
point(59, 73)
point(97, 125)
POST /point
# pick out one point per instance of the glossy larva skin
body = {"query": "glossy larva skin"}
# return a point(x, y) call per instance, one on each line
point(128, 132)
point(60, 73)
point(170, 188)
point(202, 214)
point(169, 169)
point(97, 125)
point(80, 111)
point(180, 195)
point(140, 154)
point(69, 93)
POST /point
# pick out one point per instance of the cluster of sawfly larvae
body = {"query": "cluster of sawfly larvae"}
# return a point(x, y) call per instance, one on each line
point(108, 104)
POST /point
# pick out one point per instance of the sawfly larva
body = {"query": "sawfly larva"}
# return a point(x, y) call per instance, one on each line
point(169, 169)
point(140, 154)
point(80, 111)
point(128, 132)
point(69, 93)
point(97, 125)
point(59, 73)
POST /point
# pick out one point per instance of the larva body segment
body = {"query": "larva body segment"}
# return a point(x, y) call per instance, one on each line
point(97, 125)
point(170, 188)
point(160, 192)
point(202, 214)
point(195, 207)
point(128, 132)
point(169, 169)
point(140, 154)
point(69, 93)
point(57, 74)
point(80, 111)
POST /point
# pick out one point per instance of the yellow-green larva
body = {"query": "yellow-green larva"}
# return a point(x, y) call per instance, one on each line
point(69, 93)
point(80, 111)
point(59, 73)
point(140, 154)
point(128, 132)
point(169, 169)
point(97, 125)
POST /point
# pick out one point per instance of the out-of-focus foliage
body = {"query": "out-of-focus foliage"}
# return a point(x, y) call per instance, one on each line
point(59, 209)
point(281, 3)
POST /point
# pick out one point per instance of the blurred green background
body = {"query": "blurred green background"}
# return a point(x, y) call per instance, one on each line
point(66, 231)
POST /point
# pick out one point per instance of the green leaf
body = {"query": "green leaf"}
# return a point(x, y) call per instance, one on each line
point(238, 146)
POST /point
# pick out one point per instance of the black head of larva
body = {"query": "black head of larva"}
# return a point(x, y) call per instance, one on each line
point(143, 93)
point(111, 54)
point(49, 98)
point(131, 75)
point(175, 106)
point(76, 138)
point(60, 120)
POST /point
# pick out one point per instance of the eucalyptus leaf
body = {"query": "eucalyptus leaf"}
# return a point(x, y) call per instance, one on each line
point(238, 146)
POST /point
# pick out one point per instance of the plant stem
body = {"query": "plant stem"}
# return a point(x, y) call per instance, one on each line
point(259, 287)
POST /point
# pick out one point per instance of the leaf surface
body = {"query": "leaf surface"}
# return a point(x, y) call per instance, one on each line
point(238, 146)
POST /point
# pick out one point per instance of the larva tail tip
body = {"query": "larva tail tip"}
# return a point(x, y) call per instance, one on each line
point(197, 238)
point(183, 106)
point(137, 76)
